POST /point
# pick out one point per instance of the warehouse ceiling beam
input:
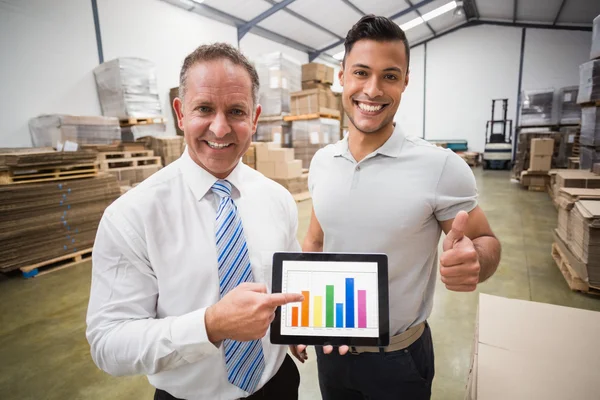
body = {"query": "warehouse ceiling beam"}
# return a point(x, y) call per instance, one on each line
point(515, 10)
point(444, 33)
point(421, 15)
point(585, 28)
point(560, 8)
point(471, 10)
point(98, 34)
point(317, 53)
point(306, 20)
point(354, 7)
point(245, 28)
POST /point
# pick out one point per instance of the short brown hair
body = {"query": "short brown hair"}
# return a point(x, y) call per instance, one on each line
point(216, 51)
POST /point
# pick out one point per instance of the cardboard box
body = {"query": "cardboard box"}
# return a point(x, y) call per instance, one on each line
point(528, 350)
point(315, 85)
point(295, 185)
point(542, 147)
point(540, 163)
point(267, 168)
point(288, 170)
point(308, 101)
point(249, 158)
point(262, 150)
point(281, 155)
point(317, 72)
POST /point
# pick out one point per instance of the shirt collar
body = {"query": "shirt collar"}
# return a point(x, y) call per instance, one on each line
point(200, 181)
point(391, 148)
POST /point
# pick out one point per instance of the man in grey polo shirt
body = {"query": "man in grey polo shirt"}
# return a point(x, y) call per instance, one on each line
point(380, 191)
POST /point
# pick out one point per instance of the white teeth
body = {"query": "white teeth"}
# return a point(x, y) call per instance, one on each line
point(367, 107)
point(214, 145)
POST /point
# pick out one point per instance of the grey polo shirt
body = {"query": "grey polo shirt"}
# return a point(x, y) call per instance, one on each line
point(391, 203)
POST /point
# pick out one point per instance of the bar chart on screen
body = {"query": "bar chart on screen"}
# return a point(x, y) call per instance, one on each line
point(340, 299)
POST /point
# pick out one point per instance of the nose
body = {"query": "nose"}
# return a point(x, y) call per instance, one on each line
point(371, 87)
point(219, 125)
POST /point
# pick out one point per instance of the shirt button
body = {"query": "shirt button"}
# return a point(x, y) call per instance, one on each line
point(358, 167)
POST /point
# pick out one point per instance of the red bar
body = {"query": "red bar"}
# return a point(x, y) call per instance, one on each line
point(294, 316)
point(305, 308)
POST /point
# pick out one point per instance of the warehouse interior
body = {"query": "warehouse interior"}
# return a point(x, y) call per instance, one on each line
point(511, 86)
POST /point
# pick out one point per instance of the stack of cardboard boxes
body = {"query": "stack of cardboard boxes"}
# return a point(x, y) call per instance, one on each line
point(279, 164)
point(589, 99)
point(540, 162)
point(316, 96)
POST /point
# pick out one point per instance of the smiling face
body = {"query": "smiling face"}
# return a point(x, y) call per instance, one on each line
point(374, 77)
point(217, 115)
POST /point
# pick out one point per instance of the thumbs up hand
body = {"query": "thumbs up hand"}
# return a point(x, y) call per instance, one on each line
point(459, 262)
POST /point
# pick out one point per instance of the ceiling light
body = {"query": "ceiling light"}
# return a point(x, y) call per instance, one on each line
point(430, 15)
point(339, 56)
point(412, 23)
point(198, 1)
point(439, 11)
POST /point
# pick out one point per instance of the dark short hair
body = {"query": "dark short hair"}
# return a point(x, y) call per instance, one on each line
point(216, 51)
point(380, 29)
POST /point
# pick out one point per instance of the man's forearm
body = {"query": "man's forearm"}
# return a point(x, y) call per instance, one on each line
point(488, 249)
point(312, 245)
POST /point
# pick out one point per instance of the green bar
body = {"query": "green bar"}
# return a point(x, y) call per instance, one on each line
point(329, 306)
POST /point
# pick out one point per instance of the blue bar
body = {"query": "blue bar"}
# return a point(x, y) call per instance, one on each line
point(339, 315)
point(349, 302)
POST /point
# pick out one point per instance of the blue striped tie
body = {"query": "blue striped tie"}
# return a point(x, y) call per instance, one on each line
point(244, 360)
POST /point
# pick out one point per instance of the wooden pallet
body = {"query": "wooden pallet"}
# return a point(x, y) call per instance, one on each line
point(575, 283)
point(29, 175)
point(142, 121)
point(536, 188)
point(573, 163)
point(111, 155)
point(311, 116)
point(591, 104)
point(129, 162)
point(56, 264)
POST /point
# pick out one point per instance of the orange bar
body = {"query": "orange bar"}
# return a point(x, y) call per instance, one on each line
point(294, 316)
point(305, 308)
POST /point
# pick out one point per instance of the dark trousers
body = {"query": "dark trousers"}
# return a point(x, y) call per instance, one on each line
point(403, 374)
point(284, 385)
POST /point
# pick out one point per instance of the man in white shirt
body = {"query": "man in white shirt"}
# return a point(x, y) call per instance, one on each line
point(381, 191)
point(180, 262)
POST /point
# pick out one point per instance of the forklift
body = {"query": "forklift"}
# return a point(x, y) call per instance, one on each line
point(498, 143)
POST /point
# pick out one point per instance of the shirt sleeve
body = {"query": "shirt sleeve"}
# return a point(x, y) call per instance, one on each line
point(456, 189)
point(123, 330)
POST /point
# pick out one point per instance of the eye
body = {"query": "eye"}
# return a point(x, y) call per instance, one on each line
point(237, 112)
point(391, 77)
point(203, 109)
point(360, 73)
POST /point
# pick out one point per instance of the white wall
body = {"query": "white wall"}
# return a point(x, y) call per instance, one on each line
point(552, 58)
point(410, 113)
point(465, 71)
point(253, 46)
point(48, 52)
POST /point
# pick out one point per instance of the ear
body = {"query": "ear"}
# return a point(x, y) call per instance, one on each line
point(341, 74)
point(255, 119)
point(178, 107)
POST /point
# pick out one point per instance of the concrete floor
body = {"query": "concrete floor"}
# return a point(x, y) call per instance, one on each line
point(44, 353)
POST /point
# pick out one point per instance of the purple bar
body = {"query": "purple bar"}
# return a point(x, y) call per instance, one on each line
point(362, 308)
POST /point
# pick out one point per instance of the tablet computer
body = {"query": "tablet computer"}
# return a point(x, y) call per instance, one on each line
point(345, 299)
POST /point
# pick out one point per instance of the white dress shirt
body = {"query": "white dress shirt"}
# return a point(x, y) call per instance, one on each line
point(155, 272)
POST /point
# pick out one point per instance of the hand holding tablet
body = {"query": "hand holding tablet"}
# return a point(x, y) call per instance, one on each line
point(345, 299)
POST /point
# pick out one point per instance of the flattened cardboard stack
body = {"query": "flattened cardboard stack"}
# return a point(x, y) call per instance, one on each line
point(279, 76)
point(575, 179)
point(168, 148)
point(44, 220)
point(129, 167)
point(127, 88)
point(308, 136)
point(131, 133)
point(528, 350)
point(276, 162)
point(566, 200)
point(584, 230)
point(48, 130)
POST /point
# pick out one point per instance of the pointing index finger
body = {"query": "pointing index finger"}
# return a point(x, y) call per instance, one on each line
point(279, 299)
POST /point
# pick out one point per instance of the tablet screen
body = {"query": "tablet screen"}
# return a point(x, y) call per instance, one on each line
point(340, 299)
